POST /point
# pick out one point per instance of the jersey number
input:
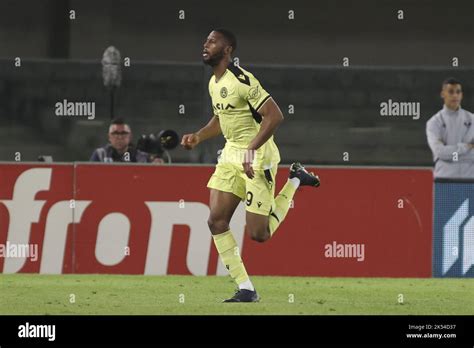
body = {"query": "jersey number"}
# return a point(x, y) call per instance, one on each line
point(249, 198)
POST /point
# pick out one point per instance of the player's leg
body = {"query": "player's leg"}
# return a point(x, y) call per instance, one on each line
point(298, 176)
point(227, 190)
point(258, 226)
point(262, 223)
point(223, 205)
point(259, 203)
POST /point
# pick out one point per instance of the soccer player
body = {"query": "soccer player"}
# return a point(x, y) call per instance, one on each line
point(248, 117)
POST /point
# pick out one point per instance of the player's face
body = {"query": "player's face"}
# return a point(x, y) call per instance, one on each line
point(452, 95)
point(120, 136)
point(214, 49)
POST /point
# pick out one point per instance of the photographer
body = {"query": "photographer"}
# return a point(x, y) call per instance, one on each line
point(120, 148)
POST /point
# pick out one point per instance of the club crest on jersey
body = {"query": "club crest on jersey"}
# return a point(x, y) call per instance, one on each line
point(254, 93)
point(223, 92)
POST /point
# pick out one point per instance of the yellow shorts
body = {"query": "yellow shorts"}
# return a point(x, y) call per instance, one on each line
point(258, 193)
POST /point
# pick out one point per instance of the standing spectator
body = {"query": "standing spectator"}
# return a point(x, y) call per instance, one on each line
point(451, 135)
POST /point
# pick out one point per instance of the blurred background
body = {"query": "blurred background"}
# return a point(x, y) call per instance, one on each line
point(330, 109)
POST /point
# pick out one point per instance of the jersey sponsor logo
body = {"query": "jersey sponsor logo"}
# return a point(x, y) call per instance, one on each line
point(223, 92)
point(220, 106)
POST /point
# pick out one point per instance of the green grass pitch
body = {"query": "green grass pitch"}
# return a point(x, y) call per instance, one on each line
point(170, 295)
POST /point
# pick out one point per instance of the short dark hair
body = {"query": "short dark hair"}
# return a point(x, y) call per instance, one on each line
point(118, 120)
point(451, 81)
point(229, 36)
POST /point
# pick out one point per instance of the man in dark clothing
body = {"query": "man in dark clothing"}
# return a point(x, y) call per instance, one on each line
point(120, 148)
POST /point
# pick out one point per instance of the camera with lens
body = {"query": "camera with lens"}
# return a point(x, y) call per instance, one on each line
point(159, 143)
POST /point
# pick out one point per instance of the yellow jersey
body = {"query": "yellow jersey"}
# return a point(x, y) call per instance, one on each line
point(236, 98)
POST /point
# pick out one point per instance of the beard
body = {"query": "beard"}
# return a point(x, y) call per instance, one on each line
point(214, 59)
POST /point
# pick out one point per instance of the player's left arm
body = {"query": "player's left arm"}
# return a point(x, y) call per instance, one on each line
point(271, 119)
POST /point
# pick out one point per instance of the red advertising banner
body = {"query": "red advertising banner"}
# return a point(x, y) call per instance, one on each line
point(145, 219)
point(34, 207)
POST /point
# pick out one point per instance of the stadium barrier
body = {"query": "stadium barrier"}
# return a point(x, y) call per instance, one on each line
point(145, 219)
point(453, 228)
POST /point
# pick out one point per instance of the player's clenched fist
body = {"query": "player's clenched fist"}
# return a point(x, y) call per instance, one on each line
point(190, 141)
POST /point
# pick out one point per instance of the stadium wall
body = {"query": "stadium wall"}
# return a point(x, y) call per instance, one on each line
point(322, 32)
point(145, 219)
point(322, 105)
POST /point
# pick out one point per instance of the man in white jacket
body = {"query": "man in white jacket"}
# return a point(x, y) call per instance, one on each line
point(450, 134)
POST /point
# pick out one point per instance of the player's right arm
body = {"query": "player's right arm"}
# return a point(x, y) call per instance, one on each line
point(210, 130)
